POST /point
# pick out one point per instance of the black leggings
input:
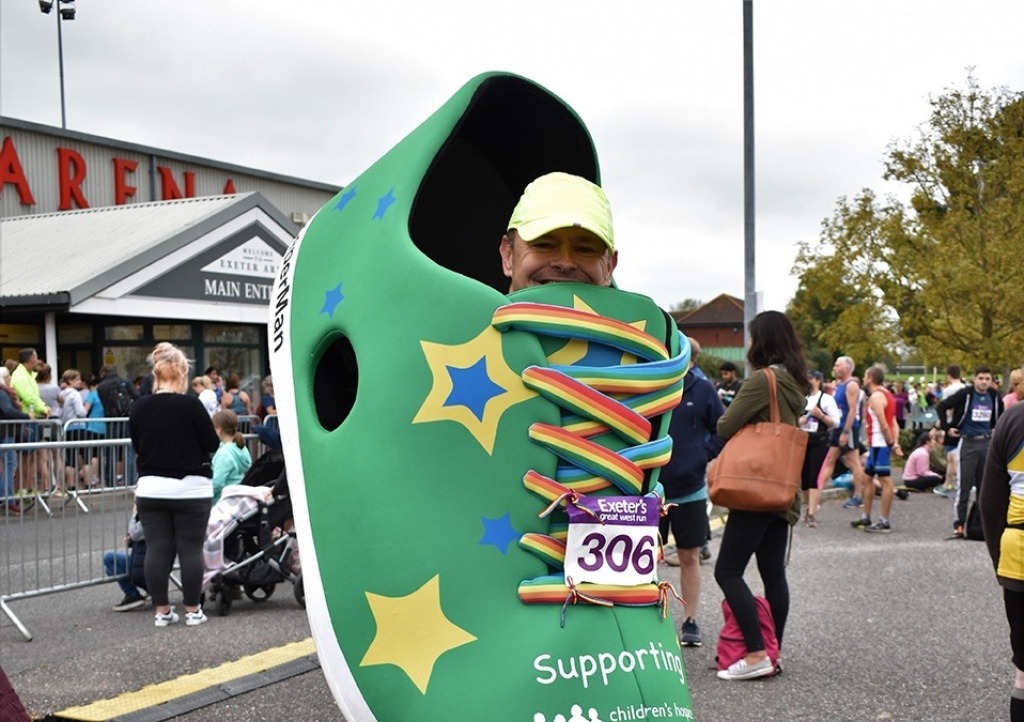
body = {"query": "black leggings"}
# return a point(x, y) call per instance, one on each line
point(174, 527)
point(1014, 602)
point(746, 534)
point(924, 482)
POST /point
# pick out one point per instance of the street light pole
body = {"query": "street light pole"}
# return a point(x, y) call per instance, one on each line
point(65, 11)
point(749, 282)
point(60, 58)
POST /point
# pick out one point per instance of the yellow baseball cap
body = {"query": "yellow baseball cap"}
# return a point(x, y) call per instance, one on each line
point(561, 200)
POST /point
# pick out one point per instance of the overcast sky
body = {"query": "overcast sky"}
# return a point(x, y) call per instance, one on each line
point(320, 89)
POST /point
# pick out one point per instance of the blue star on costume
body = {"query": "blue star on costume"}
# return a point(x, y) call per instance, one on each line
point(345, 198)
point(472, 387)
point(332, 298)
point(451, 398)
point(498, 533)
point(383, 203)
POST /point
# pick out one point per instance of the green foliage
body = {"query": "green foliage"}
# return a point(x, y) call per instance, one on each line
point(709, 363)
point(938, 274)
point(690, 304)
point(907, 439)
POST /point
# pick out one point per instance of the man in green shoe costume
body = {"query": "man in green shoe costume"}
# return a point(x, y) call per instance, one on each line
point(521, 435)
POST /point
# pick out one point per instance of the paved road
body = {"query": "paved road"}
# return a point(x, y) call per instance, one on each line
point(905, 626)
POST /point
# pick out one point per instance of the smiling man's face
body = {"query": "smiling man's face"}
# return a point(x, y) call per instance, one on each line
point(565, 254)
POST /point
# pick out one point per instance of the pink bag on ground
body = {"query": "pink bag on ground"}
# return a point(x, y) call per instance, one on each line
point(732, 648)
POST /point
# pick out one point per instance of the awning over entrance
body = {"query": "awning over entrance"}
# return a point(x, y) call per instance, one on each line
point(190, 259)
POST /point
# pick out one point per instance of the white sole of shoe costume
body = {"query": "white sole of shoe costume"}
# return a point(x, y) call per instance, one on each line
point(337, 538)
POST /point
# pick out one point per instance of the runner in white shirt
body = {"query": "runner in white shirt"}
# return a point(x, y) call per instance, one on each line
point(821, 416)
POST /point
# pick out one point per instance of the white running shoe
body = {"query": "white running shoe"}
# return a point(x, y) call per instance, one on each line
point(742, 670)
point(162, 620)
point(193, 619)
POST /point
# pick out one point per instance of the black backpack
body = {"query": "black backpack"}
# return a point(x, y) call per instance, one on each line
point(117, 398)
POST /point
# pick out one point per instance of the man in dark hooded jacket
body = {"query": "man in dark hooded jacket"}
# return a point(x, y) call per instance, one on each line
point(694, 444)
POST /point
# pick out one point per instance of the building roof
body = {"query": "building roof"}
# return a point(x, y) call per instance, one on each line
point(722, 310)
point(74, 135)
point(56, 260)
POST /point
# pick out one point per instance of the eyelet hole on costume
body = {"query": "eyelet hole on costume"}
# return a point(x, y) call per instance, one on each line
point(335, 383)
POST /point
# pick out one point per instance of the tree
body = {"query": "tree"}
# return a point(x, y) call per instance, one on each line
point(690, 304)
point(937, 274)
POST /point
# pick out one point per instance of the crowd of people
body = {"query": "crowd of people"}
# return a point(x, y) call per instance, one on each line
point(187, 448)
point(974, 445)
point(866, 417)
point(28, 392)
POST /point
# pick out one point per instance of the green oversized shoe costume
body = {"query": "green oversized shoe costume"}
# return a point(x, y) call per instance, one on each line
point(474, 473)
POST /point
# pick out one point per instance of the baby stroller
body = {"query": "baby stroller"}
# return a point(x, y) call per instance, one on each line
point(250, 542)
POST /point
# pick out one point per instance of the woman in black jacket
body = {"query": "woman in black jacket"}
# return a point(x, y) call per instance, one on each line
point(174, 438)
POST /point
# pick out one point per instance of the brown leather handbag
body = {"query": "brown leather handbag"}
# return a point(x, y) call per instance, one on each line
point(758, 469)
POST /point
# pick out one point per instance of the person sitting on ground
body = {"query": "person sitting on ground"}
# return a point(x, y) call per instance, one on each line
point(131, 561)
point(232, 458)
point(917, 473)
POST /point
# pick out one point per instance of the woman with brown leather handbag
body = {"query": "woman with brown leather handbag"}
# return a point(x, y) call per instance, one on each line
point(775, 345)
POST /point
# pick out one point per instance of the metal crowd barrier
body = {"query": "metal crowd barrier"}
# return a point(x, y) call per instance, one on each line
point(75, 502)
point(46, 546)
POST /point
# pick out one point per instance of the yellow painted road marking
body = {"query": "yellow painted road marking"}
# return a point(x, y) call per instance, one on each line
point(157, 694)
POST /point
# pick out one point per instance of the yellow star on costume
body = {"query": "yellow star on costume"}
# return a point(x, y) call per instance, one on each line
point(413, 632)
point(473, 386)
point(576, 349)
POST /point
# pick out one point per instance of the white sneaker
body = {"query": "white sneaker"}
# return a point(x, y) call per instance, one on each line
point(162, 620)
point(742, 670)
point(195, 618)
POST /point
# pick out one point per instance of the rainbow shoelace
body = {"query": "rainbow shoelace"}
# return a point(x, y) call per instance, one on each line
point(621, 399)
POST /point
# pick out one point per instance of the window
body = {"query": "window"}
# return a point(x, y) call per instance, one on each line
point(127, 332)
point(172, 332)
point(246, 362)
point(74, 333)
point(230, 333)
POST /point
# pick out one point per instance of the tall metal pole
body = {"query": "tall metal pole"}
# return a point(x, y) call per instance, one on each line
point(749, 282)
point(60, 56)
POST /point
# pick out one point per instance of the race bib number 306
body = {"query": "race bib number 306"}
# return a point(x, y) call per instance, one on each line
point(622, 550)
